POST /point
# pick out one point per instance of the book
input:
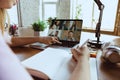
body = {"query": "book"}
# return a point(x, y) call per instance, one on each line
point(55, 63)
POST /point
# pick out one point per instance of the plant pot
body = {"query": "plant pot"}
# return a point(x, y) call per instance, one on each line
point(36, 33)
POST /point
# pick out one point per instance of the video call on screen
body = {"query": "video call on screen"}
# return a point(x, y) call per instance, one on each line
point(68, 30)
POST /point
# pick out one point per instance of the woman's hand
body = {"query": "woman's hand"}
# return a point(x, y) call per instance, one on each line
point(81, 68)
point(79, 53)
point(50, 40)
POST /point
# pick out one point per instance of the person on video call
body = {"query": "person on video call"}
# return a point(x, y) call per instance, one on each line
point(10, 66)
point(73, 27)
point(55, 34)
point(66, 25)
point(55, 25)
point(70, 36)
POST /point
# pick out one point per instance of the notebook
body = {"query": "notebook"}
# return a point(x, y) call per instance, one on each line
point(56, 64)
point(68, 31)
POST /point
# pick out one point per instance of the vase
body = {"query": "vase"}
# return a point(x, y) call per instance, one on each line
point(36, 33)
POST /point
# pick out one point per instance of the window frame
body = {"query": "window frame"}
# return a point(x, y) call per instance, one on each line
point(107, 32)
point(43, 8)
point(19, 14)
point(117, 22)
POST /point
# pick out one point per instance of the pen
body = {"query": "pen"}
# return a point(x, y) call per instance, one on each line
point(84, 43)
point(93, 55)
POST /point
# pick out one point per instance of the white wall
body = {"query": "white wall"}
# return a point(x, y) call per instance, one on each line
point(63, 11)
point(25, 31)
point(29, 11)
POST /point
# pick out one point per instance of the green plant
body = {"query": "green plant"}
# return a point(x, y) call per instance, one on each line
point(78, 11)
point(39, 26)
point(50, 20)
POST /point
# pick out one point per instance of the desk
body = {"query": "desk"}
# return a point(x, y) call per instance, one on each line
point(105, 72)
point(24, 52)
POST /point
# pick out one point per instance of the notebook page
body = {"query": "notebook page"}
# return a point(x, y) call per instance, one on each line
point(93, 69)
point(65, 70)
point(48, 61)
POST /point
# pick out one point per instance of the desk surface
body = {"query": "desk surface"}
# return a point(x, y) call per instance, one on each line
point(24, 52)
point(107, 71)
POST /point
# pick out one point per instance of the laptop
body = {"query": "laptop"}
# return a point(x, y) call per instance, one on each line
point(68, 31)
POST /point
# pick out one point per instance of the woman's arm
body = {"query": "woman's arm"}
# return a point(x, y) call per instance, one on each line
point(82, 70)
point(20, 41)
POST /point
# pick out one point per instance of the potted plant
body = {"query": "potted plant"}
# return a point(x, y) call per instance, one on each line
point(50, 20)
point(38, 26)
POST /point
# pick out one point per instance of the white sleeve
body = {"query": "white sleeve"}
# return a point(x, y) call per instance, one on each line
point(7, 37)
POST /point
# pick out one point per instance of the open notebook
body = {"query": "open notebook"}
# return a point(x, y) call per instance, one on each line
point(56, 64)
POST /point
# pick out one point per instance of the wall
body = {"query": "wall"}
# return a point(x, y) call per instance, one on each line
point(29, 11)
point(63, 11)
point(25, 31)
point(117, 25)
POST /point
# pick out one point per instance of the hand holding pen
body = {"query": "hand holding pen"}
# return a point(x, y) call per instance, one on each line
point(81, 51)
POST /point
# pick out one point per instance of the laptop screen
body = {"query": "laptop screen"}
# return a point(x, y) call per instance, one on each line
point(68, 31)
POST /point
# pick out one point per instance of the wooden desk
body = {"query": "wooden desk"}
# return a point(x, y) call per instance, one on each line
point(24, 52)
point(107, 71)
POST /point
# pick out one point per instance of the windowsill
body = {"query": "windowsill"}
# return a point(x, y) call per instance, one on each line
point(103, 37)
point(103, 32)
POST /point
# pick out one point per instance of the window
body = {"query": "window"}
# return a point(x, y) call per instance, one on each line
point(49, 8)
point(50, 0)
point(90, 14)
point(47, 11)
point(13, 15)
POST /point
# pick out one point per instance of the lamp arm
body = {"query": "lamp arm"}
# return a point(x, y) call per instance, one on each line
point(97, 43)
point(97, 31)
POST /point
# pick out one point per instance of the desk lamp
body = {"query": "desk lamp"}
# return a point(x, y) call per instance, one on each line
point(98, 43)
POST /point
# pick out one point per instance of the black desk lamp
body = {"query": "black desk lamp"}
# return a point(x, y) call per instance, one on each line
point(98, 43)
